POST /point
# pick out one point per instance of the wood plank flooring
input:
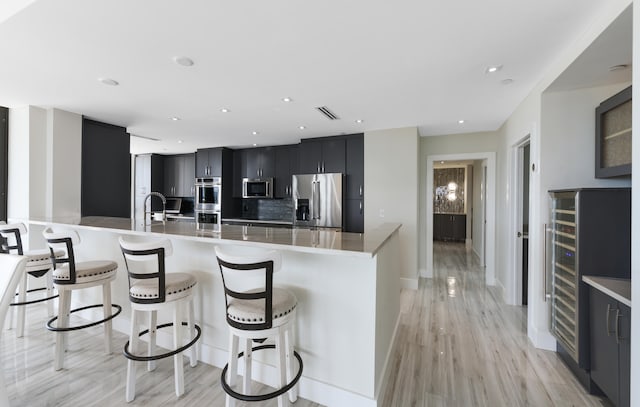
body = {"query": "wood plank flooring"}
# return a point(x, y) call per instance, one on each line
point(458, 345)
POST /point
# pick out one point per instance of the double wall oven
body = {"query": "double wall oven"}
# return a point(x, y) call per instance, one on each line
point(207, 203)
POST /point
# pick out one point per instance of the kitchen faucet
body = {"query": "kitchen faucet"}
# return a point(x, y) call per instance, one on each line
point(164, 206)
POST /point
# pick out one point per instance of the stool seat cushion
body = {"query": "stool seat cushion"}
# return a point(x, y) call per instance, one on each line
point(87, 271)
point(177, 285)
point(39, 261)
point(252, 311)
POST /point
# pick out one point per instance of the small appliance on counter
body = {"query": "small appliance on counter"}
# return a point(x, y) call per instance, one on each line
point(317, 200)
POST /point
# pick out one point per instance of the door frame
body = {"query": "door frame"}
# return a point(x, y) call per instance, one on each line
point(490, 241)
point(516, 224)
point(4, 161)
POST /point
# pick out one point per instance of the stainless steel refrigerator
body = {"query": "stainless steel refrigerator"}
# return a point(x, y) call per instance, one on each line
point(317, 200)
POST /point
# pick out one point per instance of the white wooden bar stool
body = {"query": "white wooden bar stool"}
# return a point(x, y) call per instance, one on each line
point(11, 271)
point(151, 289)
point(38, 265)
point(257, 311)
point(69, 275)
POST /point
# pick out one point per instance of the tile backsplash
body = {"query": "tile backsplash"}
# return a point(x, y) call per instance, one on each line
point(267, 209)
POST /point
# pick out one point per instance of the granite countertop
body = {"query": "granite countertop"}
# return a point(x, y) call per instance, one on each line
point(296, 239)
point(617, 288)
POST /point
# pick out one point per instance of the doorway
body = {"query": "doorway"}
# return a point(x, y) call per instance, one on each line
point(523, 165)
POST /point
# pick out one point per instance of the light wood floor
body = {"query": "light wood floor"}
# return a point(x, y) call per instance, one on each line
point(458, 345)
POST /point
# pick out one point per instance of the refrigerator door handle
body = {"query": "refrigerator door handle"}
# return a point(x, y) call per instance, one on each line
point(315, 198)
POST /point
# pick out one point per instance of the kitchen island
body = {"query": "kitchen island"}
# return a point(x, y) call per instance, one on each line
point(347, 286)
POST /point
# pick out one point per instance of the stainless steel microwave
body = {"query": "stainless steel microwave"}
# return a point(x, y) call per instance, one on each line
point(257, 187)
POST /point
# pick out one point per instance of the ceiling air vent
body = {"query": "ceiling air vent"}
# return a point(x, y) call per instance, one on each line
point(328, 113)
point(145, 137)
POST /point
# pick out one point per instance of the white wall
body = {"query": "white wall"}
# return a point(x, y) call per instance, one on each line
point(635, 222)
point(526, 120)
point(391, 191)
point(64, 167)
point(476, 198)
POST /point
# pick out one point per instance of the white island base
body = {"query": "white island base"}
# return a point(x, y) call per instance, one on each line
point(347, 286)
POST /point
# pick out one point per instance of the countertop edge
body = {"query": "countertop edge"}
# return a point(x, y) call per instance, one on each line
point(606, 285)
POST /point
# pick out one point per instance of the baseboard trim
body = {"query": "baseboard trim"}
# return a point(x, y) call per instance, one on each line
point(424, 273)
point(409, 283)
point(542, 339)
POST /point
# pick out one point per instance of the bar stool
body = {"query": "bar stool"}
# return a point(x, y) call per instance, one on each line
point(151, 289)
point(256, 312)
point(69, 275)
point(11, 271)
point(38, 265)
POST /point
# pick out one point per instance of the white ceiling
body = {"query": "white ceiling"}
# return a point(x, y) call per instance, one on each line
point(390, 63)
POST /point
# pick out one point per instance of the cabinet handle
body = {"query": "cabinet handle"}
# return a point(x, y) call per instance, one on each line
point(322, 166)
point(618, 315)
point(360, 190)
point(608, 324)
point(318, 167)
point(360, 207)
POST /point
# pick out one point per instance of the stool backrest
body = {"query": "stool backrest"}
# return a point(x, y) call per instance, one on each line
point(11, 233)
point(11, 271)
point(236, 266)
point(62, 241)
point(144, 261)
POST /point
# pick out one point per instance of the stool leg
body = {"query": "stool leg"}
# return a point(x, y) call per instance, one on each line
point(281, 351)
point(131, 364)
point(49, 283)
point(289, 340)
point(106, 300)
point(22, 297)
point(232, 371)
point(247, 366)
point(177, 359)
point(153, 324)
point(193, 358)
point(63, 322)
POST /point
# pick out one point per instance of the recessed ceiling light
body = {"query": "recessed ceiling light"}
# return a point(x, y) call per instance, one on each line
point(108, 81)
point(255, 145)
point(618, 67)
point(184, 61)
point(287, 100)
point(224, 110)
point(255, 133)
point(179, 141)
point(441, 162)
point(460, 121)
point(174, 118)
point(493, 69)
point(301, 127)
point(507, 81)
point(359, 121)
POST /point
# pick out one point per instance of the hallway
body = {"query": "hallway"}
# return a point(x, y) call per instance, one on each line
point(458, 344)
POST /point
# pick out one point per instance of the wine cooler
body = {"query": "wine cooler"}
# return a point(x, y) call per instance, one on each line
point(589, 233)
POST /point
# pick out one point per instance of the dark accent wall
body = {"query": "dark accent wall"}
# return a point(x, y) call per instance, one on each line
point(106, 170)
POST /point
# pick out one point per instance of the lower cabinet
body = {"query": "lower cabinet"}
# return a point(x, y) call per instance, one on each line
point(449, 226)
point(610, 345)
point(354, 216)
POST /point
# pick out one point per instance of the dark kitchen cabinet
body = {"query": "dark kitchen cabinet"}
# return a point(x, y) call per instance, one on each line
point(610, 342)
point(354, 215)
point(259, 162)
point(326, 155)
point(179, 175)
point(286, 165)
point(449, 226)
point(209, 161)
point(355, 166)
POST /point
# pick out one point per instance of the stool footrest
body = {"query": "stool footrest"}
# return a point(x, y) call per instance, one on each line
point(13, 304)
point(260, 397)
point(75, 328)
point(131, 356)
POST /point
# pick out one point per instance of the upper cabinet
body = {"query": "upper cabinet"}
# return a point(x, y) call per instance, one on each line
point(258, 162)
point(209, 162)
point(286, 164)
point(179, 175)
point(355, 166)
point(326, 155)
